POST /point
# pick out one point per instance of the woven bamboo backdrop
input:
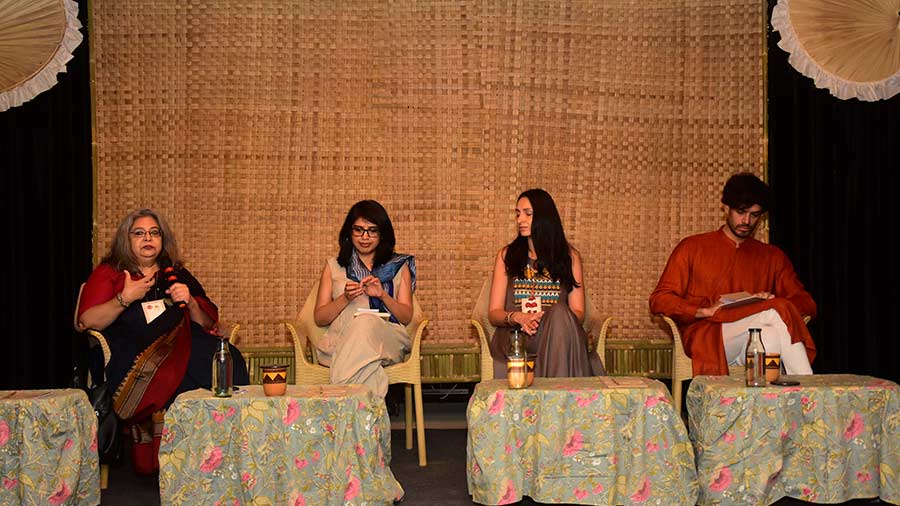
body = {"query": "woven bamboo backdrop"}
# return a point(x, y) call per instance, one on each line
point(254, 125)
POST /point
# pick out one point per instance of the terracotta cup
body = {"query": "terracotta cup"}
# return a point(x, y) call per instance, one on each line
point(274, 379)
point(773, 366)
point(529, 369)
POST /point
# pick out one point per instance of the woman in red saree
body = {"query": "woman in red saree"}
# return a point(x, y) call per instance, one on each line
point(162, 334)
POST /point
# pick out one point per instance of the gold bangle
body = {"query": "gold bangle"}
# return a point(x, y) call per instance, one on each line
point(507, 319)
point(121, 300)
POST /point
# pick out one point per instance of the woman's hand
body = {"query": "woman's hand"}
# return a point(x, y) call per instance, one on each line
point(135, 290)
point(372, 287)
point(352, 290)
point(529, 322)
point(179, 292)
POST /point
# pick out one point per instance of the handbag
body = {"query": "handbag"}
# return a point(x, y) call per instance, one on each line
point(108, 440)
point(89, 364)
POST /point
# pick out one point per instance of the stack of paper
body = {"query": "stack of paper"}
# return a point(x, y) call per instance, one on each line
point(372, 312)
point(737, 299)
point(623, 382)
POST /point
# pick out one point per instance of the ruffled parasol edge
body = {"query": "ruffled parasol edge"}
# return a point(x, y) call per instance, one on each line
point(45, 78)
point(836, 85)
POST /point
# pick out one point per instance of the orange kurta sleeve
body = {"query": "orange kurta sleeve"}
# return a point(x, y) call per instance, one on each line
point(669, 297)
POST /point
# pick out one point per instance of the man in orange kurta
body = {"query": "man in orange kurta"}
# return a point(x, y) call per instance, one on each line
point(703, 267)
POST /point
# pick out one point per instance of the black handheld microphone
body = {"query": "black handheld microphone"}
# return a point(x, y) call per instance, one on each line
point(170, 276)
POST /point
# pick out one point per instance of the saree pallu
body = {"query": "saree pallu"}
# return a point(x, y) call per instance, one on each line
point(155, 375)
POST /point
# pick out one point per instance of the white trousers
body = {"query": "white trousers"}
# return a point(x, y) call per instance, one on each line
point(775, 338)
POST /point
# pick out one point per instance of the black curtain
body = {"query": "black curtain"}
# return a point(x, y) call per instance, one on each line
point(833, 166)
point(46, 191)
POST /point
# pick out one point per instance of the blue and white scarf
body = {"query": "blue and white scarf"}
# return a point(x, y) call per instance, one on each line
point(356, 271)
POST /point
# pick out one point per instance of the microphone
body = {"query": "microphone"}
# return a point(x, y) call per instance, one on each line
point(170, 276)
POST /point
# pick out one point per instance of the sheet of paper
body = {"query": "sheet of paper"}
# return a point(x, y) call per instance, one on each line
point(622, 382)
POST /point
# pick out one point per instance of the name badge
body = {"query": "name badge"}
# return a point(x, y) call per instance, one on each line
point(153, 309)
point(531, 305)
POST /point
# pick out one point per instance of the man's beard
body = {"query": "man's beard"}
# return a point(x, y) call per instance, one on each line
point(741, 231)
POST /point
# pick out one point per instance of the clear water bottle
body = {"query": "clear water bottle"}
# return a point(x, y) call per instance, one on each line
point(516, 366)
point(516, 344)
point(222, 370)
point(755, 358)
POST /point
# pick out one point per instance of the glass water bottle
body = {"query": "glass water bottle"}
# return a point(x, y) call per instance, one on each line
point(516, 367)
point(222, 370)
point(516, 344)
point(755, 357)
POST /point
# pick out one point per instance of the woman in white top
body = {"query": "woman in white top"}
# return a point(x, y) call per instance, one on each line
point(366, 275)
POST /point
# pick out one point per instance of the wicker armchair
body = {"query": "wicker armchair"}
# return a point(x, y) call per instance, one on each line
point(682, 369)
point(95, 339)
point(592, 325)
point(305, 333)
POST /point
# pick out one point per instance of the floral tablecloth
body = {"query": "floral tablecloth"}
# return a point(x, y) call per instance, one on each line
point(48, 448)
point(317, 445)
point(829, 440)
point(603, 440)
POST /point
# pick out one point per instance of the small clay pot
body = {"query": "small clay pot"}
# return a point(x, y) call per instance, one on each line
point(773, 366)
point(274, 379)
point(529, 369)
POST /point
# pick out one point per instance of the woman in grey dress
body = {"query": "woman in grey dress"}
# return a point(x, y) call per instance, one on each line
point(365, 299)
point(538, 288)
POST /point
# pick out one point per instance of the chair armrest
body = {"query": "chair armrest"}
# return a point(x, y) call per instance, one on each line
point(487, 361)
point(593, 327)
point(233, 334)
point(673, 328)
point(104, 345)
point(300, 344)
point(677, 346)
point(682, 365)
point(482, 337)
point(600, 347)
point(415, 351)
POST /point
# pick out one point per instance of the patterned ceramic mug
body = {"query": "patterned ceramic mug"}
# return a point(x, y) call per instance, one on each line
point(773, 366)
point(529, 369)
point(274, 379)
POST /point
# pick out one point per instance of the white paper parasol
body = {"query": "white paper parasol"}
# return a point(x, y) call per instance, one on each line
point(850, 47)
point(37, 38)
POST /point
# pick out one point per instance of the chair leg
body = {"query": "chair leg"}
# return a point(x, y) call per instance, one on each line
point(407, 406)
point(676, 394)
point(104, 476)
point(420, 425)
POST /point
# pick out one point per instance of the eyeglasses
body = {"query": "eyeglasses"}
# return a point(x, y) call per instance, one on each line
point(141, 233)
point(360, 231)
